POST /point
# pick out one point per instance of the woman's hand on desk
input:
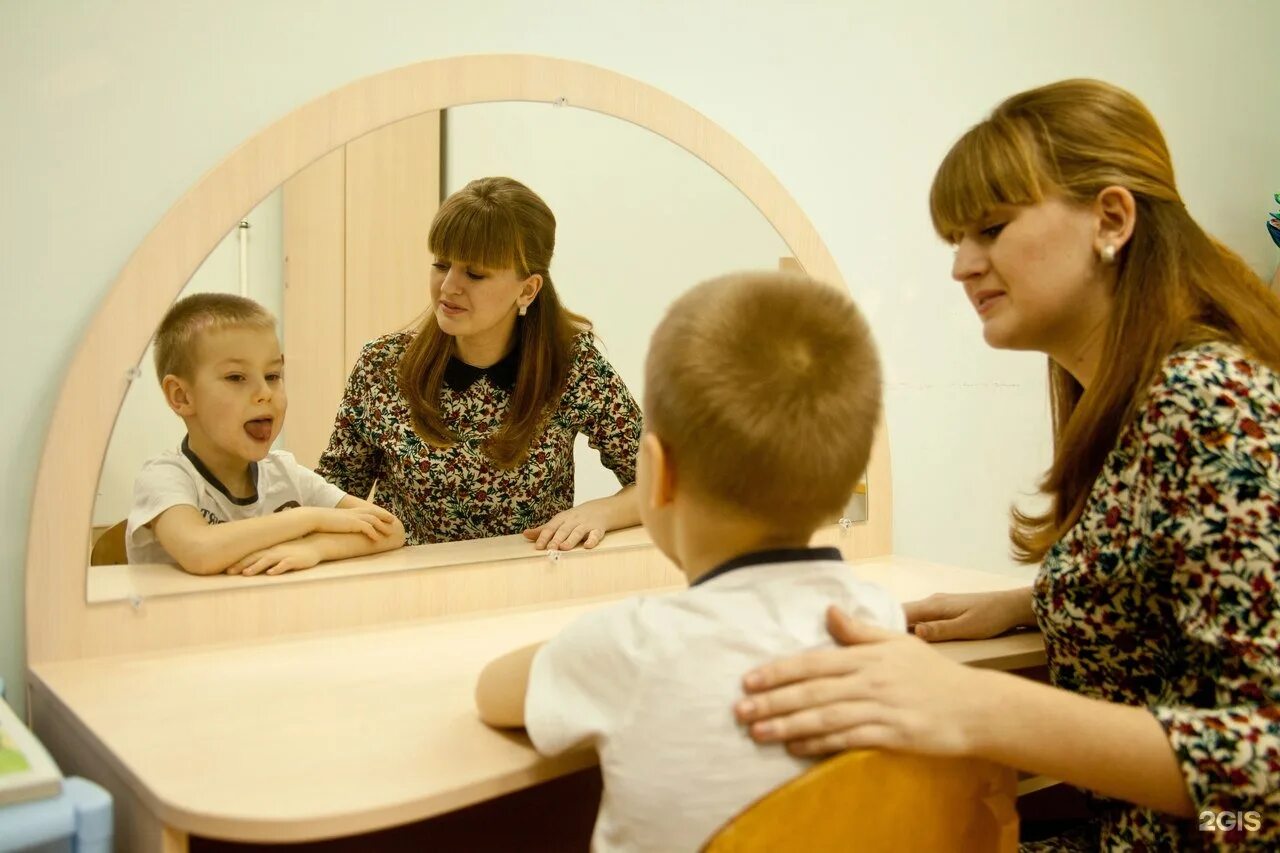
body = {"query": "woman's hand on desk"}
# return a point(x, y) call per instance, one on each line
point(586, 523)
point(879, 690)
point(582, 525)
point(969, 615)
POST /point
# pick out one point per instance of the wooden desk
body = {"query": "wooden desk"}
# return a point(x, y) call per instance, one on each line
point(341, 733)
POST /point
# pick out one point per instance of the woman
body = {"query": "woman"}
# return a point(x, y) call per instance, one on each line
point(467, 425)
point(1157, 589)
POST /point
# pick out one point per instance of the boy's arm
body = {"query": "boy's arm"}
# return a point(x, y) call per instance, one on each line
point(338, 546)
point(321, 547)
point(209, 549)
point(501, 690)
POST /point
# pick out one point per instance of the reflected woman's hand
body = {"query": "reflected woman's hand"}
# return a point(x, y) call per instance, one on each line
point(580, 525)
point(881, 689)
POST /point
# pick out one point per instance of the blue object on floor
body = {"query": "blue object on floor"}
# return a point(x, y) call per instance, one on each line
point(79, 820)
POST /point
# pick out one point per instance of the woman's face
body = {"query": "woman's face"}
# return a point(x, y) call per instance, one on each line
point(1033, 275)
point(475, 303)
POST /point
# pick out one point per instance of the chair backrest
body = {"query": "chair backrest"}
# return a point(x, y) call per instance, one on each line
point(109, 550)
point(870, 800)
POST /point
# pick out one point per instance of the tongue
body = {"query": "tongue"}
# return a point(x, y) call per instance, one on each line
point(260, 430)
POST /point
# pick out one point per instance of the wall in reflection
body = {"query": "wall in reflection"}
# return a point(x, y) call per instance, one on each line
point(145, 425)
point(639, 221)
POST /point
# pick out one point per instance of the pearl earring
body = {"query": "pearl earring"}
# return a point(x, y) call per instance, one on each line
point(1108, 254)
point(523, 310)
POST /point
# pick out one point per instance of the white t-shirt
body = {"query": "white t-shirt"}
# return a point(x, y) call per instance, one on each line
point(178, 478)
point(650, 683)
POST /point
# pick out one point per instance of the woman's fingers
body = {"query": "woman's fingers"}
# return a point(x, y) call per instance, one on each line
point(936, 606)
point(868, 736)
point(819, 722)
point(793, 697)
point(563, 533)
point(816, 664)
point(943, 630)
point(576, 534)
point(550, 529)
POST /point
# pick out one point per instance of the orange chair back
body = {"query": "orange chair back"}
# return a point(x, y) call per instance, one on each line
point(109, 550)
point(870, 800)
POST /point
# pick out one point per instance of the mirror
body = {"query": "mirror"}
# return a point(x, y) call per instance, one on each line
point(638, 221)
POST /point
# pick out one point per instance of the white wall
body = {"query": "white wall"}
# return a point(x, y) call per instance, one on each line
point(638, 220)
point(113, 110)
point(146, 426)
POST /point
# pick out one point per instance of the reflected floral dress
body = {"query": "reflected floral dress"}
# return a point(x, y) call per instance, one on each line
point(452, 493)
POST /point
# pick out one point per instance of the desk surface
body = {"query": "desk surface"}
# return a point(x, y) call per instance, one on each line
point(338, 734)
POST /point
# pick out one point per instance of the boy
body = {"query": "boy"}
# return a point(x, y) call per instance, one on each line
point(761, 395)
point(227, 502)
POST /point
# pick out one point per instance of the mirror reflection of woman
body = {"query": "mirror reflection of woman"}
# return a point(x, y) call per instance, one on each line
point(467, 424)
point(1159, 584)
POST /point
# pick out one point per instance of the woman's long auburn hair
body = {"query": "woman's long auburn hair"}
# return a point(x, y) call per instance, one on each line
point(1176, 286)
point(496, 223)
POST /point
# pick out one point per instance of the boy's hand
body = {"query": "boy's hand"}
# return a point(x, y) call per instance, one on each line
point(369, 520)
point(278, 559)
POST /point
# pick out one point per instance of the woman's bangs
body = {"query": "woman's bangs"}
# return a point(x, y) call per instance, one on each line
point(469, 235)
point(993, 164)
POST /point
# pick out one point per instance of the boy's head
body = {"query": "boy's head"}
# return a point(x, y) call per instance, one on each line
point(220, 367)
point(762, 392)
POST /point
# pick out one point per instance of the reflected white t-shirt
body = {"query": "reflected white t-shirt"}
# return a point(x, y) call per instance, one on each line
point(650, 683)
point(177, 478)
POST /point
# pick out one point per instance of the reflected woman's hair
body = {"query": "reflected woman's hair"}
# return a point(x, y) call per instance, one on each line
point(496, 223)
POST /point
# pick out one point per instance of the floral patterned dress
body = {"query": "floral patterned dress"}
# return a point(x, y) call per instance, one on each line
point(1164, 595)
point(446, 494)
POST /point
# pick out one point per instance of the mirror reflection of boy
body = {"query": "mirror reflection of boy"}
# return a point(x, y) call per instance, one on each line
point(225, 501)
point(762, 392)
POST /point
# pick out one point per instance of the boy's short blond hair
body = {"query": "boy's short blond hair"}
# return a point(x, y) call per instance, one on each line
point(764, 388)
point(189, 318)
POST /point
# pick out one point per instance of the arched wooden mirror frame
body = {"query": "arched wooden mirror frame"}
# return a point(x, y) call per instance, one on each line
point(60, 625)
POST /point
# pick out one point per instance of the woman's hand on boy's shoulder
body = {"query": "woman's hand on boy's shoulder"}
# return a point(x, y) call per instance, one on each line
point(880, 689)
point(278, 559)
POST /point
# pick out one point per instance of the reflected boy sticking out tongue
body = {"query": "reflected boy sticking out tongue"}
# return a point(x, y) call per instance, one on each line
point(218, 503)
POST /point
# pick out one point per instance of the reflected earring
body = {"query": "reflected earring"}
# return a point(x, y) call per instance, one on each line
point(1108, 254)
point(524, 309)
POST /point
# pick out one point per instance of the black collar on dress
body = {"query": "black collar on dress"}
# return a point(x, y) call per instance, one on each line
point(460, 376)
point(215, 482)
point(777, 555)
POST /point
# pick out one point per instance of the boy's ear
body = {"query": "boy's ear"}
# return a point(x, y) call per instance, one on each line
point(662, 479)
point(178, 396)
